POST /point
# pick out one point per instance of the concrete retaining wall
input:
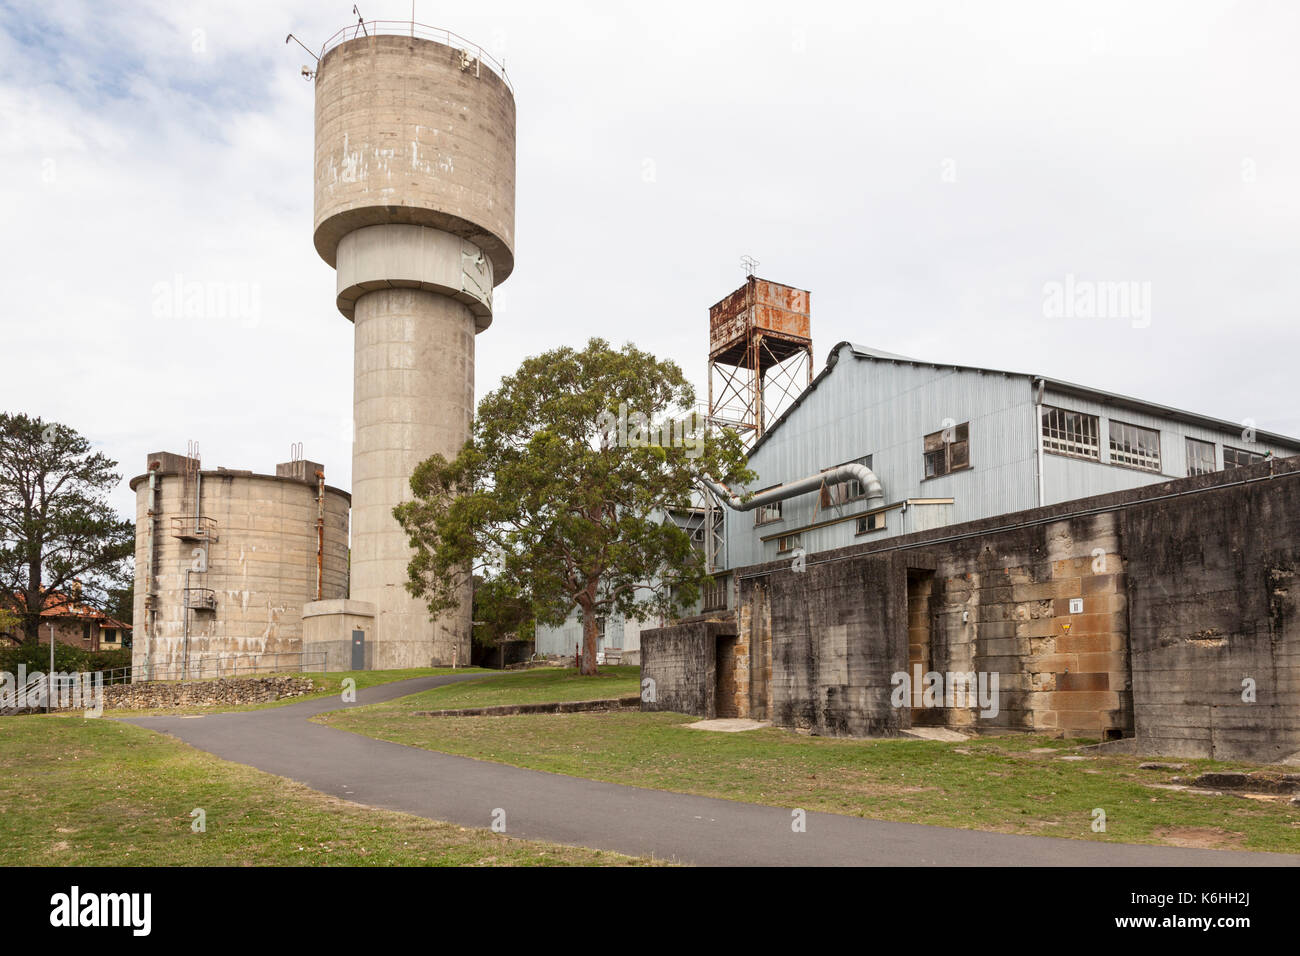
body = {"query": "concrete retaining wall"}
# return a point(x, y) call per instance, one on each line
point(1213, 589)
point(1135, 613)
point(680, 660)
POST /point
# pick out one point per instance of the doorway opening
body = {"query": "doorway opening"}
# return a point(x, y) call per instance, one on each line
point(920, 652)
point(724, 691)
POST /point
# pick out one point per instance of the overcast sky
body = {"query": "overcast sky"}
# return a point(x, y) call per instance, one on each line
point(926, 170)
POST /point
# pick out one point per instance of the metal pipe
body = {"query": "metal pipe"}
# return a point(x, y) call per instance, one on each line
point(185, 653)
point(792, 489)
point(151, 610)
point(320, 535)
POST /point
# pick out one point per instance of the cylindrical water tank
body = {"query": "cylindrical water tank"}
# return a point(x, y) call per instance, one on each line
point(414, 207)
point(249, 543)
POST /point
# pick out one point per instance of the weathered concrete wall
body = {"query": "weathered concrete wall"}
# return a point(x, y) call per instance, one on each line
point(1137, 612)
point(327, 628)
point(681, 660)
point(1213, 584)
point(414, 205)
point(995, 605)
point(413, 396)
point(406, 134)
point(838, 633)
point(260, 564)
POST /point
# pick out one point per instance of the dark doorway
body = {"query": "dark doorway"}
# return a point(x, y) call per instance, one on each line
point(724, 693)
point(920, 652)
point(358, 650)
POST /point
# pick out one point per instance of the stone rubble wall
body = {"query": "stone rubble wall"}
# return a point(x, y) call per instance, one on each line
point(207, 693)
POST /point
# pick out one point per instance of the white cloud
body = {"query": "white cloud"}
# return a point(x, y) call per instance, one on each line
point(1154, 143)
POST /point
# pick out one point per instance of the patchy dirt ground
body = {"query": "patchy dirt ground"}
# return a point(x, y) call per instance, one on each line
point(1205, 838)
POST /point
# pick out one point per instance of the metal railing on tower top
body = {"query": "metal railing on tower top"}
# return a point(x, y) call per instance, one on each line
point(423, 31)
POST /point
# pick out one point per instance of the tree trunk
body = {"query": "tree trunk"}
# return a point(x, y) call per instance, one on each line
point(33, 603)
point(588, 641)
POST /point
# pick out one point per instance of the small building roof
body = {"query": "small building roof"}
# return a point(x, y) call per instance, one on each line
point(64, 605)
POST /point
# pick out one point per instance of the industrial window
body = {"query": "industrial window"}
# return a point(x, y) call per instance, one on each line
point(1134, 446)
point(1239, 457)
point(714, 593)
point(1070, 433)
point(947, 450)
point(1200, 457)
point(869, 523)
point(842, 492)
point(766, 513)
point(787, 542)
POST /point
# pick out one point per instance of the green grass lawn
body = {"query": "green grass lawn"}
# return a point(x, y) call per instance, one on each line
point(102, 793)
point(536, 686)
point(327, 685)
point(998, 784)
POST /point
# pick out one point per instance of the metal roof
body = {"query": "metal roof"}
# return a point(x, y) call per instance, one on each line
point(1084, 391)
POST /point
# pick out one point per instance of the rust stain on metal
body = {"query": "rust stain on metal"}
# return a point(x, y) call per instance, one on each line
point(759, 306)
point(752, 332)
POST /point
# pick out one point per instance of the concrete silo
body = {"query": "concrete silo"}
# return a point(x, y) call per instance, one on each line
point(414, 208)
point(226, 561)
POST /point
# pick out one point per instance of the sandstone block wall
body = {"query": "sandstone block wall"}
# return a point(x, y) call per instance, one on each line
point(1151, 612)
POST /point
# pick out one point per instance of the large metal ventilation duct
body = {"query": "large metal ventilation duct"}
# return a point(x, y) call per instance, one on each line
point(792, 489)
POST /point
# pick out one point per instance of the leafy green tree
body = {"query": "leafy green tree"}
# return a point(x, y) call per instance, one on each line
point(58, 532)
point(8, 622)
point(499, 614)
point(561, 497)
point(121, 603)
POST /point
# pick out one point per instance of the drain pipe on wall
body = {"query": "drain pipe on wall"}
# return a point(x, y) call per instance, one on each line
point(151, 584)
point(320, 535)
point(185, 652)
point(1039, 386)
point(802, 486)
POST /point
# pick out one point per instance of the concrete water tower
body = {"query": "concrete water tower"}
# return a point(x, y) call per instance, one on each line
point(415, 210)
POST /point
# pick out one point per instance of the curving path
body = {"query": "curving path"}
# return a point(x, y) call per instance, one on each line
point(632, 820)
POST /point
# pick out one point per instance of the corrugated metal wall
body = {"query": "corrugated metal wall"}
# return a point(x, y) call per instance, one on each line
point(1070, 478)
point(621, 633)
point(884, 409)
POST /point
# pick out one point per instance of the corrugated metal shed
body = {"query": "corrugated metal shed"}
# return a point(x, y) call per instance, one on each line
point(872, 403)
